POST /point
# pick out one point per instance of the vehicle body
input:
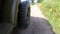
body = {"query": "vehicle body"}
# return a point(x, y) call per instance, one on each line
point(9, 13)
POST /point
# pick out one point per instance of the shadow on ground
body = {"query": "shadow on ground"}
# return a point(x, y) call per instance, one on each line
point(37, 26)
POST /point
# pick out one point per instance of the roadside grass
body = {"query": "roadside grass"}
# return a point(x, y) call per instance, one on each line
point(51, 9)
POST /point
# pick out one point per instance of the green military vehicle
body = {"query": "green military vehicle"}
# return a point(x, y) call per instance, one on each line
point(13, 14)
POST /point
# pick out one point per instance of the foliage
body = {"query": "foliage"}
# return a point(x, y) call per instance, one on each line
point(39, 1)
point(51, 9)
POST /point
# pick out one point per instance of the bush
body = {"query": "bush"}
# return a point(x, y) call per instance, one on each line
point(51, 9)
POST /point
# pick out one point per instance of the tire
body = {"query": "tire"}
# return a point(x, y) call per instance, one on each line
point(23, 15)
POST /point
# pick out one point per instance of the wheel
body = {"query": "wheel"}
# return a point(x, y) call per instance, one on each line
point(23, 15)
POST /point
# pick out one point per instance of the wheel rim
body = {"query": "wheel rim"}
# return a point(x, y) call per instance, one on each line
point(28, 13)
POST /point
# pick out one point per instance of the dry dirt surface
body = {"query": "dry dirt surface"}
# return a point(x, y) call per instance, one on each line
point(38, 23)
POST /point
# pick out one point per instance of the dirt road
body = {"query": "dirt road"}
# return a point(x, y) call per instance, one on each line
point(36, 12)
point(38, 23)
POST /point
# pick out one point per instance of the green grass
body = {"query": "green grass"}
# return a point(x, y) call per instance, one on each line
point(51, 9)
